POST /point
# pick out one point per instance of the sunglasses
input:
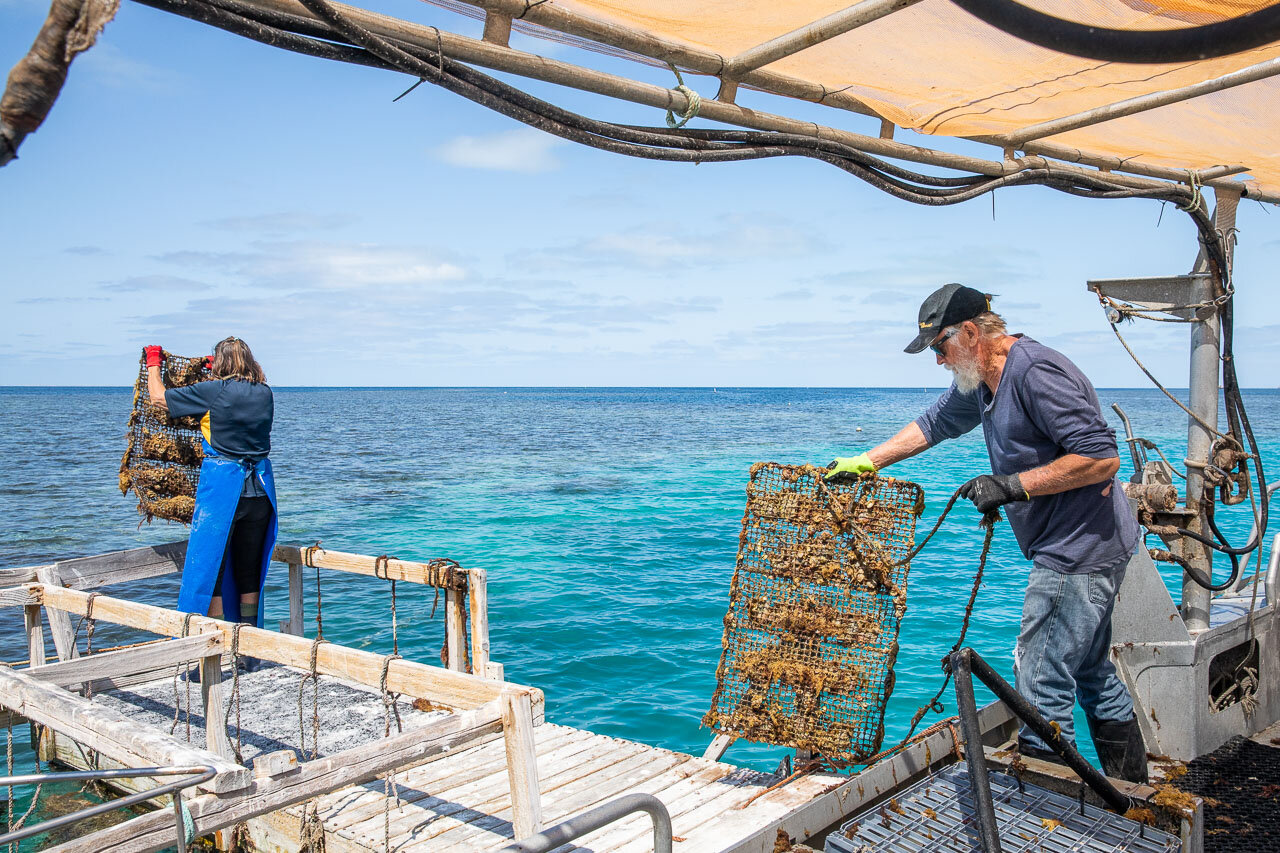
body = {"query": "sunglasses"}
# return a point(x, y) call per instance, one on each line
point(937, 346)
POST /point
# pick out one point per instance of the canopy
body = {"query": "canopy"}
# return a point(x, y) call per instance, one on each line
point(931, 67)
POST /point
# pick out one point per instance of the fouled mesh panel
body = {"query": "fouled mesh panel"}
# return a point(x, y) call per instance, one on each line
point(162, 458)
point(814, 607)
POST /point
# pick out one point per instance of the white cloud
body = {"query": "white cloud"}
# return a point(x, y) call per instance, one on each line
point(522, 150)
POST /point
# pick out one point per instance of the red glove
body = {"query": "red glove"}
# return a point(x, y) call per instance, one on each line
point(208, 362)
point(154, 355)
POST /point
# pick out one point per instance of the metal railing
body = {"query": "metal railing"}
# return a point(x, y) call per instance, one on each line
point(579, 825)
point(194, 775)
point(965, 664)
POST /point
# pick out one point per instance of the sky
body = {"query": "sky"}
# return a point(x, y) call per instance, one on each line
point(190, 185)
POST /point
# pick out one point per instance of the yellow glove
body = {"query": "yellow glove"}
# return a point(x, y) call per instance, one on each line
point(860, 464)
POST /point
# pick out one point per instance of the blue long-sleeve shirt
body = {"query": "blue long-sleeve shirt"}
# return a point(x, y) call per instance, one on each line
point(1045, 408)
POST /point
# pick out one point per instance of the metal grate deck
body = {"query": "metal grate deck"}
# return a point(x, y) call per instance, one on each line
point(937, 814)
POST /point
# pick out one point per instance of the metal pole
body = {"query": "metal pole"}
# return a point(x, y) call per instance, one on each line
point(589, 821)
point(1203, 380)
point(979, 780)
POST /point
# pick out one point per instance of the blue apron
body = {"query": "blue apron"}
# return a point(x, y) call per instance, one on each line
point(221, 484)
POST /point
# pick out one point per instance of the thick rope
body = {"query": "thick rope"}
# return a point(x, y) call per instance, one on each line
point(235, 692)
point(308, 559)
point(314, 677)
point(389, 788)
point(693, 102)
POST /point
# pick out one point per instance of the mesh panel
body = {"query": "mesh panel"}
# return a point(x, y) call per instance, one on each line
point(162, 458)
point(811, 633)
point(1240, 782)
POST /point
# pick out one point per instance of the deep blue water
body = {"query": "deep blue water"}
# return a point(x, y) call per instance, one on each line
point(607, 519)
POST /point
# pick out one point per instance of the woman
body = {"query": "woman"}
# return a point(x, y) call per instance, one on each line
point(233, 530)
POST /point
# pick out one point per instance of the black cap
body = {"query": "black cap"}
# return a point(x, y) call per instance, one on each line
point(946, 306)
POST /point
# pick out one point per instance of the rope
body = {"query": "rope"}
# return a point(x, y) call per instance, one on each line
point(177, 673)
point(308, 559)
point(91, 625)
point(8, 768)
point(693, 102)
point(35, 796)
point(383, 563)
point(934, 704)
point(389, 788)
point(314, 677)
point(188, 825)
point(1197, 198)
point(235, 691)
point(311, 832)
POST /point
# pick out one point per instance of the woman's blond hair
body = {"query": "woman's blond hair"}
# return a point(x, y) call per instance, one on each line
point(232, 359)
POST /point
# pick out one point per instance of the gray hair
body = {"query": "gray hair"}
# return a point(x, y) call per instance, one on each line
point(990, 324)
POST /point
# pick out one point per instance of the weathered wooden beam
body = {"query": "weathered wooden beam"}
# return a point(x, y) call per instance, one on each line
point(296, 610)
point(717, 747)
point(21, 574)
point(359, 564)
point(15, 596)
point(119, 566)
point(453, 689)
point(270, 793)
point(478, 598)
point(109, 732)
point(522, 765)
point(34, 626)
point(455, 630)
point(105, 667)
point(64, 638)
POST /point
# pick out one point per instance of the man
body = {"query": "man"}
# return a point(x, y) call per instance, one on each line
point(1053, 462)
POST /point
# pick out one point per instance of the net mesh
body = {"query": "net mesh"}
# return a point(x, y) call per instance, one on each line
point(811, 634)
point(162, 458)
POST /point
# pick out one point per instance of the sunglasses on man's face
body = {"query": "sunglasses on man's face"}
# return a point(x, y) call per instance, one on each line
point(938, 345)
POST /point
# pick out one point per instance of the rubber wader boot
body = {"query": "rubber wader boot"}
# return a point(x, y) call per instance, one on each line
point(249, 616)
point(1120, 748)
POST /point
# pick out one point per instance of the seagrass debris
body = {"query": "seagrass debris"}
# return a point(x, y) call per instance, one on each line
point(162, 456)
point(815, 603)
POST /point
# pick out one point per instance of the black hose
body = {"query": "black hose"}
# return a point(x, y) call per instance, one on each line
point(1137, 46)
point(1198, 576)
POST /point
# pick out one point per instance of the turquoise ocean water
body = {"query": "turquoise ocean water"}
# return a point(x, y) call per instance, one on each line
point(607, 520)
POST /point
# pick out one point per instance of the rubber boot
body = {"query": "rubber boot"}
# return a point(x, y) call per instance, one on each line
point(249, 616)
point(1120, 748)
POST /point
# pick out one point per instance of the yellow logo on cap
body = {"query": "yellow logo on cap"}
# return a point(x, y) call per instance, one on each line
point(926, 325)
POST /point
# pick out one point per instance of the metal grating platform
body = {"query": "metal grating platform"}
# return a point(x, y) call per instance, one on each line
point(1240, 782)
point(937, 814)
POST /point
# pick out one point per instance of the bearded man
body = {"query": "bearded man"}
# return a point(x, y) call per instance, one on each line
point(1053, 462)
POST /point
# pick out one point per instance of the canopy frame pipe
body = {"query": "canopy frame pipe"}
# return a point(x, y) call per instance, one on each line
point(823, 29)
point(1142, 103)
point(557, 18)
point(536, 67)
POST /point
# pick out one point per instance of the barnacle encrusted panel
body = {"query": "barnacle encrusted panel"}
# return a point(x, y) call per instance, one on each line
point(811, 633)
point(162, 456)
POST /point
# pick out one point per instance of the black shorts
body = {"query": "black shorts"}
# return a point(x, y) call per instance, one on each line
point(248, 536)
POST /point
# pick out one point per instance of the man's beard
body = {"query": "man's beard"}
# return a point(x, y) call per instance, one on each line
point(968, 375)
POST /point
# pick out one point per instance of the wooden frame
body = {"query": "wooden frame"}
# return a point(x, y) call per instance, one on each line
point(481, 707)
point(86, 573)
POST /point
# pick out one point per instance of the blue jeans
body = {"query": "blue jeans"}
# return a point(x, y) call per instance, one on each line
point(1064, 648)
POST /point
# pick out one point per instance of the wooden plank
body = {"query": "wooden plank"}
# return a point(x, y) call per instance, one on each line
point(668, 787)
point(107, 731)
point(275, 763)
point(23, 574)
point(717, 747)
point(455, 630)
point(522, 764)
point(453, 689)
point(453, 798)
point(15, 596)
point(445, 780)
point(33, 623)
point(478, 595)
point(59, 623)
point(389, 569)
point(105, 667)
point(575, 790)
point(119, 566)
point(154, 831)
point(212, 705)
point(296, 611)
